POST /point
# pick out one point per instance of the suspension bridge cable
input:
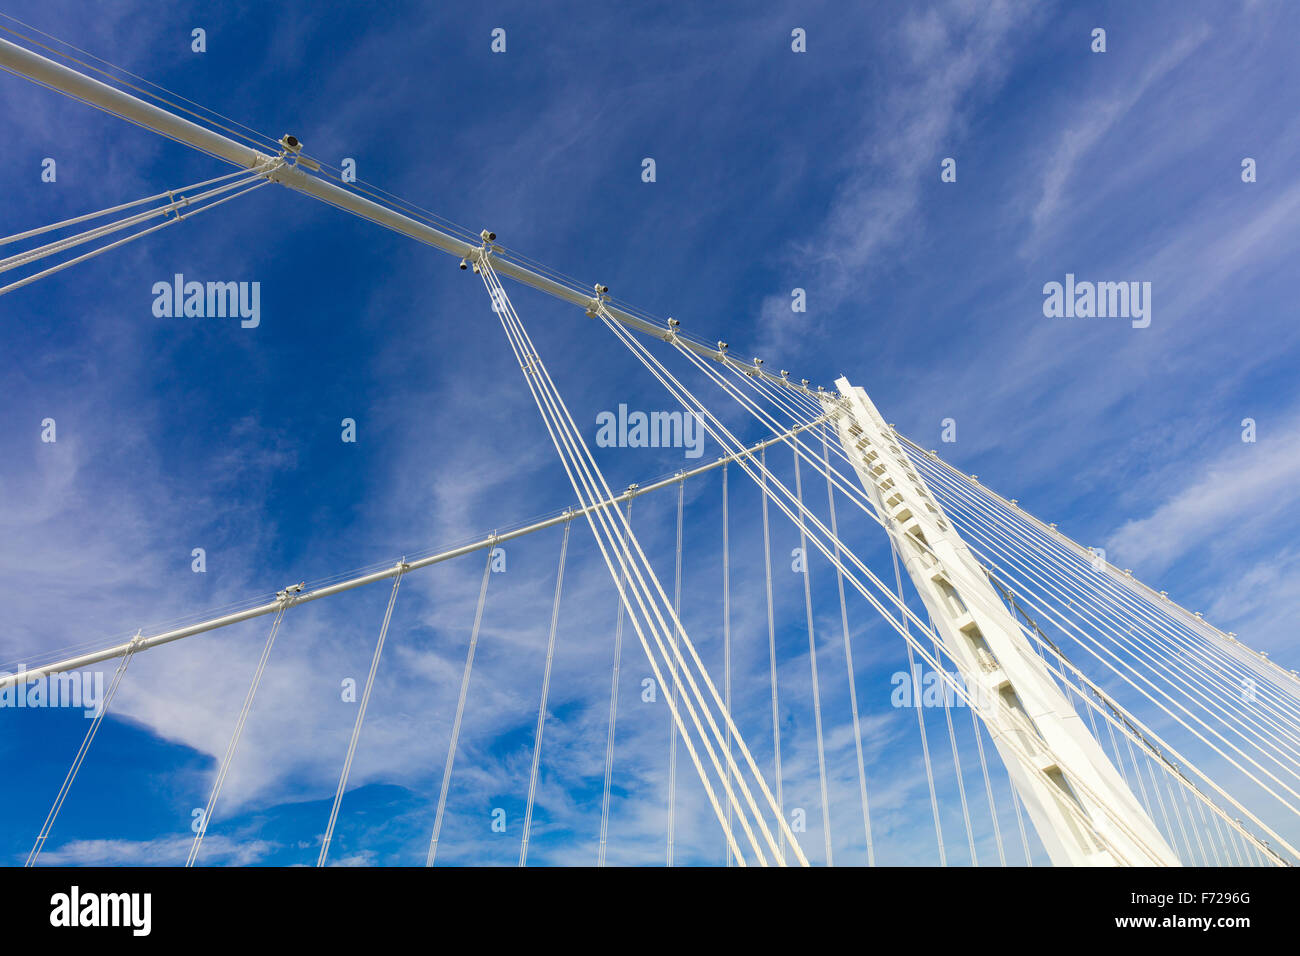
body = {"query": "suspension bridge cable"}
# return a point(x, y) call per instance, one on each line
point(672, 668)
point(179, 217)
point(1113, 662)
point(988, 790)
point(956, 763)
point(586, 477)
point(361, 716)
point(718, 431)
point(1120, 637)
point(917, 703)
point(816, 686)
point(771, 652)
point(1136, 673)
point(91, 731)
point(245, 710)
point(726, 636)
point(1061, 551)
point(154, 96)
point(572, 440)
point(18, 259)
point(158, 197)
point(546, 689)
point(530, 361)
point(852, 672)
point(613, 713)
point(1020, 821)
point(454, 740)
point(1129, 733)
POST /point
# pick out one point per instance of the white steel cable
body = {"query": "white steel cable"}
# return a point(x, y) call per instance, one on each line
point(530, 362)
point(956, 763)
point(131, 238)
point(91, 731)
point(718, 431)
point(710, 422)
point(566, 443)
point(726, 636)
point(852, 672)
point(541, 708)
point(575, 455)
point(988, 530)
point(613, 716)
point(672, 692)
point(1020, 822)
point(816, 685)
point(979, 535)
point(917, 702)
point(454, 740)
point(1107, 587)
point(1211, 783)
point(12, 262)
point(168, 194)
point(244, 711)
point(1115, 661)
point(356, 726)
point(771, 651)
point(988, 790)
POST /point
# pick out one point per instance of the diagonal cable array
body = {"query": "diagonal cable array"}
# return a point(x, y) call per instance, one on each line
point(796, 404)
point(172, 206)
point(1205, 689)
point(649, 609)
point(1276, 685)
point(1146, 647)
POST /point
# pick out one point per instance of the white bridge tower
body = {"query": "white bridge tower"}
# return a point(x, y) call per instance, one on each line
point(1072, 791)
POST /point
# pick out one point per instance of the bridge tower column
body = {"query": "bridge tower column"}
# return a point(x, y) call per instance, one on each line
point(1058, 769)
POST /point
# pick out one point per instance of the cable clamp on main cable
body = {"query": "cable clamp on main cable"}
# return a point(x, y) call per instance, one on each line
point(289, 596)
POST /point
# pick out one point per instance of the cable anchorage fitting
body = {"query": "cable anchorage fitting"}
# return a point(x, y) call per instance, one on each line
point(476, 257)
point(289, 596)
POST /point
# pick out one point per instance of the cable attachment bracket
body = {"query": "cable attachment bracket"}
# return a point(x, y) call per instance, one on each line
point(290, 595)
point(477, 257)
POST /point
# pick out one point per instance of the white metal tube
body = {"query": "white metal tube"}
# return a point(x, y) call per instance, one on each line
point(95, 657)
point(23, 62)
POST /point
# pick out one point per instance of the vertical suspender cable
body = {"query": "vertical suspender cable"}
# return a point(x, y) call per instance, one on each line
point(613, 713)
point(672, 669)
point(726, 643)
point(812, 659)
point(576, 455)
point(81, 753)
point(361, 716)
point(460, 712)
point(546, 688)
point(1020, 822)
point(238, 732)
point(920, 717)
point(956, 762)
point(848, 663)
point(771, 649)
point(988, 788)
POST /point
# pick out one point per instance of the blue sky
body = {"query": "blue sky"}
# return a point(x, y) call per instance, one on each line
point(775, 170)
